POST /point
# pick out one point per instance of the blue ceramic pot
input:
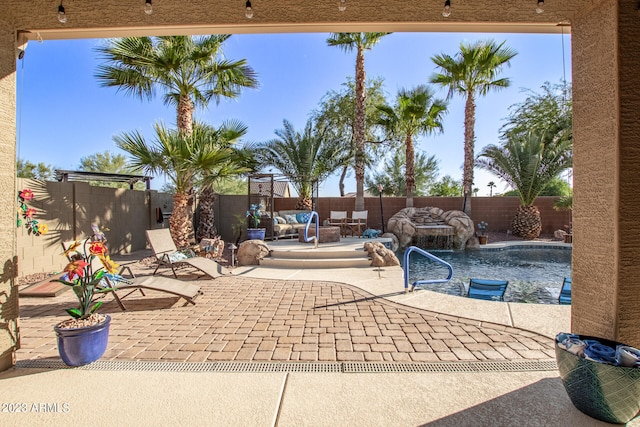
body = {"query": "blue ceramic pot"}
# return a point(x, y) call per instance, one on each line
point(607, 392)
point(80, 346)
point(256, 233)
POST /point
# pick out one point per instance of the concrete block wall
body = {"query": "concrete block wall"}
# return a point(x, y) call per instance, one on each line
point(69, 209)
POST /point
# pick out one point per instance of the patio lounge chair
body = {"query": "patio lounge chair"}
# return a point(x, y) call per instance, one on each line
point(565, 291)
point(357, 223)
point(117, 283)
point(338, 219)
point(164, 249)
point(491, 290)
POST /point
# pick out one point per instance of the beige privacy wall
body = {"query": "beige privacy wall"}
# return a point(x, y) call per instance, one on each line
point(69, 209)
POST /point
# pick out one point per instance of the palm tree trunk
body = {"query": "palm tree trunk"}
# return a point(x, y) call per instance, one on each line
point(180, 221)
point(304, 203)
point(361, 98)
point(206, 225)
point(185, 115)
point(469, 139)
point(409, 173)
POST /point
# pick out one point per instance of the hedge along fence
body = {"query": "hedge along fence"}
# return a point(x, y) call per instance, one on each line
point(69, 209)
point(497, 211)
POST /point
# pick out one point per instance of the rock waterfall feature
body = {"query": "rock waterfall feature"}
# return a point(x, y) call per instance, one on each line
point(431, 228)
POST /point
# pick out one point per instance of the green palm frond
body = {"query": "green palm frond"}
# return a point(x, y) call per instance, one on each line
point(528, 162)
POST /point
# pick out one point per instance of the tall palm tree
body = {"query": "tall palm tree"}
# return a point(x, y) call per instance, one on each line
point(472, 72)
point(416, 113)
point(528, 163)
point(190, 71)
point(180, 157)
point(359, 42)
point(304, 158)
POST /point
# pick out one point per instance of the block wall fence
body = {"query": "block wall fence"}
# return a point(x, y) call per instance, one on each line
point(69, 209)
point(497, 211)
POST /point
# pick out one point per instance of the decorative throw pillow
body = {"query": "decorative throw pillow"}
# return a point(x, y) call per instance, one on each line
point(177, 256)
point(291, 219)
point(281, 220)
point(303, 217)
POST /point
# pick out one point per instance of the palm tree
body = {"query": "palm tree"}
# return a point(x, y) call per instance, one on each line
point(491, 184)
point(180, 157)
point(190, 71)
point(416, 113)
point(304, 158)
point(472, 72)
point(238, 162)
point(359, 42)
point(528, 163)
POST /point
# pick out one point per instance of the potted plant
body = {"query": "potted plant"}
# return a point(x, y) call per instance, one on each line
point(482, 232)
point(254, 214)
point(83, 338)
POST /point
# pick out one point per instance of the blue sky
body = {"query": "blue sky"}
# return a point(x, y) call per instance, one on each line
point(64, 114)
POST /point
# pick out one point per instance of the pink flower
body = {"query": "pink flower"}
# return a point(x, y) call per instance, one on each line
point(26, 194)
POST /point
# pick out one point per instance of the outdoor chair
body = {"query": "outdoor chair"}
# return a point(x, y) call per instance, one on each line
point(486, 289)
point(117, 283)
point(165, 251)
point(357, 223)
point(565, 291)
point(338, 219)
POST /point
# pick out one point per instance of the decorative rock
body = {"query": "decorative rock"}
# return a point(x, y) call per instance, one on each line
point(380, 255)
point(395, 245)
point(251, 252)
point(559, 234)
point(403, 224)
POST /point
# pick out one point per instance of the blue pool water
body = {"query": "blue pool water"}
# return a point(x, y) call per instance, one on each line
point(534, 274)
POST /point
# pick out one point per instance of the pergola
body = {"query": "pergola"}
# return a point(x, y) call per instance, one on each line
point(606, 100)
point(67, 175)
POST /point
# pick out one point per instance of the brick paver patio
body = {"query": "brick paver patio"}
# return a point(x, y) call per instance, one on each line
point(244, 319)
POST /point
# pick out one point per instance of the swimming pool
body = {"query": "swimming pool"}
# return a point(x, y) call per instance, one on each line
point(534, 274)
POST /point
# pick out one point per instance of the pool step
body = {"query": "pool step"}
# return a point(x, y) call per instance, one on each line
point(310, 258)
point(315, 263)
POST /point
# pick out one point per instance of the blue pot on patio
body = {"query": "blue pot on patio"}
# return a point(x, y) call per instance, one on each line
point(256, 233)
point(607, 392)
point(81, 346)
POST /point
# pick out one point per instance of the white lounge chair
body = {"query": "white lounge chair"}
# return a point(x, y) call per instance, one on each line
point(117, 283)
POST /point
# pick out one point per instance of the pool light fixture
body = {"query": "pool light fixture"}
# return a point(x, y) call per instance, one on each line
point(342, 5)
point(248, 10)
point(148, 7)
point(540, 7)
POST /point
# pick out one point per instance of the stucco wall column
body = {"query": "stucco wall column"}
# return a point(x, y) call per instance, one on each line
point(606, 217)
point(8, 290)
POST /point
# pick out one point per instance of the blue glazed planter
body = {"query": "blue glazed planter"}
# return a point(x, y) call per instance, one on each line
point(606, 392)
point(256, 233)
point(81, 346)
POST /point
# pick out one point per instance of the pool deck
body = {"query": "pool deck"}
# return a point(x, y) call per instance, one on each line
point(308, 362)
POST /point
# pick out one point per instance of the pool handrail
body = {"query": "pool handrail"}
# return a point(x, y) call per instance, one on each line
point(307, 239)
point(430, 256)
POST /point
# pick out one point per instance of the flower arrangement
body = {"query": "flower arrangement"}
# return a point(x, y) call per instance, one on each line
point(482, 228)
point(86, 276)
point(254, 214)
point(25, 215)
